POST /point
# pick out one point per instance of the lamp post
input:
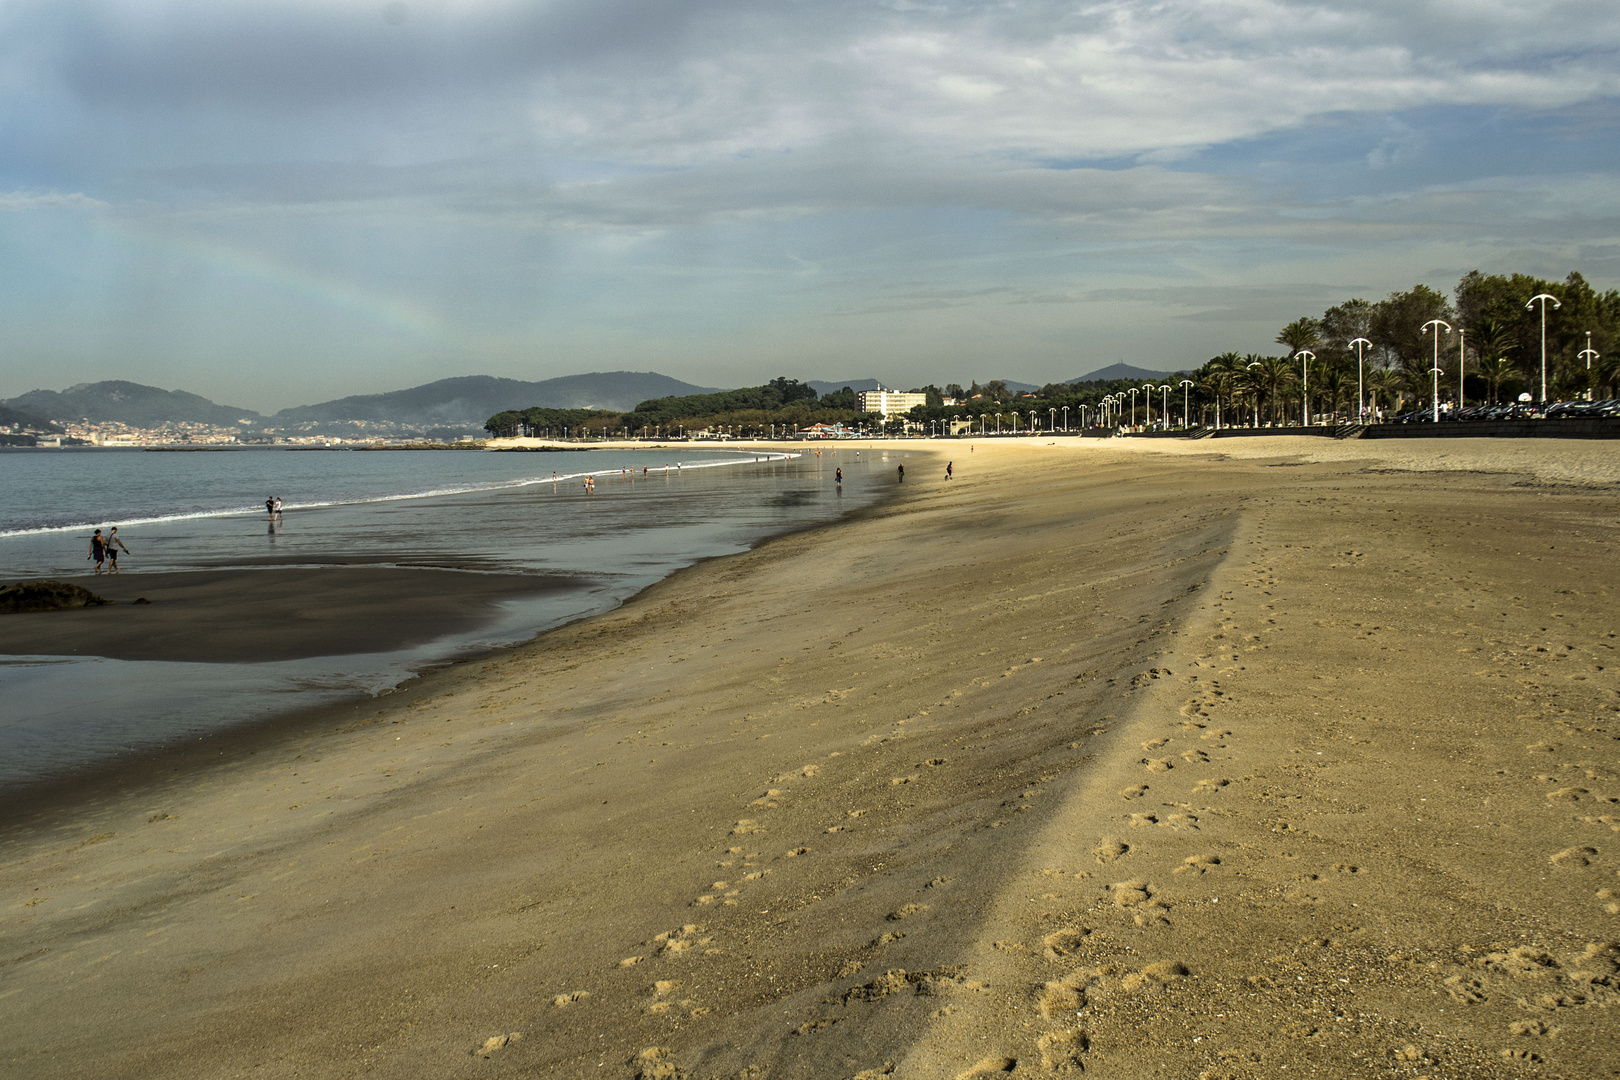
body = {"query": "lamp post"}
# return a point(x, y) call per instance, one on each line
point(1065, 418)
point(1437, 324)
point(1186, 417)
point(1462, 367)
point(1053, 418)
point(1305, 356)
point(1256, 389)
point(1588, 354)
point(1147, 395)
point(1543, 297)
point(1164, 405)
point(1133, 406)
point(1361, 397)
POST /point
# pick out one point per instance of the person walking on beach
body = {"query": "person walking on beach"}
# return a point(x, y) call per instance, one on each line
point(113, 544)
point(278, 507)
point(98, 550)
point(838, 477)
point(948, 466)
point(270, 507)
point(902, 474)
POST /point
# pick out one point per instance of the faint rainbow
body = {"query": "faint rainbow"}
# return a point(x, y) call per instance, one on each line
point(296, 281)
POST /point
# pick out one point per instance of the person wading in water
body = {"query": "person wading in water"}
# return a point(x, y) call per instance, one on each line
point(113, 544)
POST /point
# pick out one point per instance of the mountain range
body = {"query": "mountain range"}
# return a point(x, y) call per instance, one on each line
point(448, 404)
point(1120, 371)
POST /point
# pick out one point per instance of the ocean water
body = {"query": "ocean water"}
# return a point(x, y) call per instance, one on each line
point(651, 512)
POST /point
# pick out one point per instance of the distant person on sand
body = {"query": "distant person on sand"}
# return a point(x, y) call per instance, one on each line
point(113, 544)
point(948, 467)
point(902, 474)
point(98, 550)
point(838, 476)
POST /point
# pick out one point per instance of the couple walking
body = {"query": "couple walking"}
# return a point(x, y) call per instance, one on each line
point(104, 549)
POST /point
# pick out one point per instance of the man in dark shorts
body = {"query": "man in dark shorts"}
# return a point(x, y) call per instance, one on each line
point(902, 474)
point(838, 476)
point(98, 550)
point(113, 544)
point(948, 467)
point(270, 507)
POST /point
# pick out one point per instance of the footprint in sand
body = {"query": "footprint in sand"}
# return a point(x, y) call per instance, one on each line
point(1157, 765)
point(1062, 943)
point(768, 799)
point(907, 912)
point(1574, 857)
point(497, 1042)
point(1110, 848)
point(1198, 864)
point(1209, 786)
point(1135, 792)
point(1143, 819)
point(1154, 744)
point(1061, 1050)
point(795, 853)
point(987, 1067)
point(562, 1001)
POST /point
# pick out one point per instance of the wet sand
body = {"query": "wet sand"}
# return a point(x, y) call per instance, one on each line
point(1191, 762)
point(269, 613)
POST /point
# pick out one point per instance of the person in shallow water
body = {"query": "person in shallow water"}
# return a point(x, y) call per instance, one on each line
point(113, 544)
point(902, 474)
point(98, 550)
point(838, 476)
point(270, 507)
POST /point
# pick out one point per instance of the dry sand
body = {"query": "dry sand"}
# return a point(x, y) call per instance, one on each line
point(1187, 760)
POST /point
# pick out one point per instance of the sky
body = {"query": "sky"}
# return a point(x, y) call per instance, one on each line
point(272, 204)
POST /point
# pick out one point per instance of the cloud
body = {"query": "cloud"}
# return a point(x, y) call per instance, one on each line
point(17, 201)
point(669, 85)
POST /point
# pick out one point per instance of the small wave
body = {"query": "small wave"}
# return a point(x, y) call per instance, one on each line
point(432, 493)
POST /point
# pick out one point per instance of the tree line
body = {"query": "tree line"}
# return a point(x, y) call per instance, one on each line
point(1485, 328)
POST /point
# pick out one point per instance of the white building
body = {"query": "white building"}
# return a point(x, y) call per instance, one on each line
point(888, 402)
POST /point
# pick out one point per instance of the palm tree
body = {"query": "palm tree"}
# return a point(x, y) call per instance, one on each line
point(1301, 334)
point(1382, 383)
point(1220, 379)
point(1333, 381)
point(1274, 376)
point(1496, 370)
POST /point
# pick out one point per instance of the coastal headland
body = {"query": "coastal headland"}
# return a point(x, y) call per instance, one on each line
point(1274, 758)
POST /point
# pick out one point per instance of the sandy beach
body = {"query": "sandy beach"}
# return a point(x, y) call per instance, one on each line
point(1250, 758)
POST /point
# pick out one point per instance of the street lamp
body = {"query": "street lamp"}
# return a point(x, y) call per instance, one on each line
point(1462, 367)
point(1437, 324)
point(1147, 394)
point(1053, 418)
point(1543, 297)
point(1256, 389)
point(1164, 405)
point(1589, 354)
point(1133, 407)
point(1305, 356)
point(1185, 415)
point(1066, 414)
point(1361, 397)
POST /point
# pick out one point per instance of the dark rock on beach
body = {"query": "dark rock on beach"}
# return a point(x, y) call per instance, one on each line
point(46, 596)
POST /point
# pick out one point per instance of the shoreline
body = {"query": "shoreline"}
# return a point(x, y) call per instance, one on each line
point(25, 804)
point(1101, 758)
